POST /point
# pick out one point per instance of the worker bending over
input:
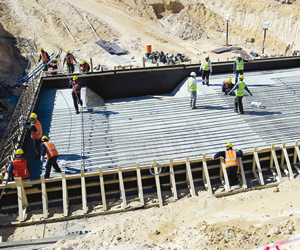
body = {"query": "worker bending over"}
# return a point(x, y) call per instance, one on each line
point(230, 157)
point(239, 89)
point(50, 150)
point(18, 167)
point(206, 69)
point(84, 67)
point(69, 60)
point(76, 92)
point(227, 86)
point(238, 67)
point(54, 67)
point(45, 59)
point(192, 87)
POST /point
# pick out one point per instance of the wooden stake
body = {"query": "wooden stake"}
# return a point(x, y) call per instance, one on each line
point(83, 192)
point(157, 181)
point(227, 185)
point(44, 197)
point(140, 185)
point(173, 181)
point(22, 199)
point(288, 163)
point(65, 194)
point(190, 181)
point(122, 188)
point(102, 189)
point(206, 181)
point(274, 157)
point(69, 32)
point(91, 63)
point(242, 172)
point(92, 27)
point(259, 177)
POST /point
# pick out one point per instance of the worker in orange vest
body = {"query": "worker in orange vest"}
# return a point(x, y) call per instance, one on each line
point(18, 167)
point(36, 130)
point(227, 86)
point(231, 162)
point(76, 92)
point(84, 67)
point(45, 59)
point(50, 150)
point(69, 60)
point(54, 67)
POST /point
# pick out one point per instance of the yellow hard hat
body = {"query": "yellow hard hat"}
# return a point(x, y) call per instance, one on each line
point(41, 49)
point(229, 144)
point(68, 51)
point(19, 152)
point(75, 78)
point(241, 77)
point(55, 59)
point(33, 115)
point(229, 79)
point(45, 138)
point(83, 62)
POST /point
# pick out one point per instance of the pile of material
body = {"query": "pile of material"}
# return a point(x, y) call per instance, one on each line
point(165, 58)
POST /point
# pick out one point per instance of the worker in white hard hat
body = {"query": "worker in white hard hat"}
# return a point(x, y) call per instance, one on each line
point(206, 69)
point(192, 87)
point(238, 67)
point(230, 158)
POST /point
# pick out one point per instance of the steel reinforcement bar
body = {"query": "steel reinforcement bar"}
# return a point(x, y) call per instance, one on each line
point(118, 190)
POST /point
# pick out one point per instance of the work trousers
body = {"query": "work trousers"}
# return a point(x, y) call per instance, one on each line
point(232, 175)
point(238, 102)
point(70, 67)
point(45, 66)
point(37, 146)
point(51, 162)
point(77, 100)
point(205, 75)
point(193, 99)
point(237, 73)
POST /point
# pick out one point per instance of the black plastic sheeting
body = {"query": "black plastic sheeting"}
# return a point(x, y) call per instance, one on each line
point(112, 48)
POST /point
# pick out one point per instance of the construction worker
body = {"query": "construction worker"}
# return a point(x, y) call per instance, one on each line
point(36, 130)
point(53, 67)
point(76, 90)
point(84, 67)
point(69, 60)
point(192, 87)
point(230, 157)
point(227, 86)
point(206, 69)
point(18, 167)
point(239, 89)
point(238, 67)
point(45, 59)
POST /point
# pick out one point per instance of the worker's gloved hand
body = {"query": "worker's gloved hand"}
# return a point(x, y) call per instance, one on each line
point(251, 94)
point(42, 159)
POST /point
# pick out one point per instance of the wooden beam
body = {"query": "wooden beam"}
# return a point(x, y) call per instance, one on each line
point(242, 172)
point(260, 178)
point(122, 188)
point(92, 27)
point(65, 194)
point(296, 152)
point(69, 31)
point(206, 181)
point(140, 185)
point(83, 192)
point(288, 163)
point(190, 181)
point(102, 189)
point(271, 156)
point(157, 181)
point(274, 157)
point(44, 197)
point(22, 199)
point(173, 180)
point(226, 180)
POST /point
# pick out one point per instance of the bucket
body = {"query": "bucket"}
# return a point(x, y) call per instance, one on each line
point(148, 48)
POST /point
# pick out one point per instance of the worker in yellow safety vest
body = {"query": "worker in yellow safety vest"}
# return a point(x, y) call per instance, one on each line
point(192, 87)
point(45, 59)
point(238, 67)
point(206, 69)
point(239, 89)
point(230, 158)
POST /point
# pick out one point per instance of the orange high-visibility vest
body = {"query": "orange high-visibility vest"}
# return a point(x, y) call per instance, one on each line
point(44, 56)
point(230, 158)
point(69, 59)
point(74, 87)
point(84, 66)
point(38, 134)
point(50, 150)
point(20, 168)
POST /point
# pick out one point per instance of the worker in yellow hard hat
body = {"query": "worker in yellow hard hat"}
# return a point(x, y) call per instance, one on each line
point(230, 158)
point(76, 92)
point(45, 59)
point(69, 60)
point(239, 89)
point(18, 167)
point(227, 86)
point(84, 67)
point(54, 67)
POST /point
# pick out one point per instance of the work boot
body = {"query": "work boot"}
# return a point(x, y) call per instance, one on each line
point(77, 112)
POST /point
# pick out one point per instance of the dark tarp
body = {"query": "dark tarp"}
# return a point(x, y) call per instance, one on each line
point(225, 49)
point(112, 48)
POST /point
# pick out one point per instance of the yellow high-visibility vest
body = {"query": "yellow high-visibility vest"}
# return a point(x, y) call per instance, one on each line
point(239, 65)
point(192, 84)
point(240, 90)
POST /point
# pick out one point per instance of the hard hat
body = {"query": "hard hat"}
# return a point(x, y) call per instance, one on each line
point(75, 78)
point(41, 49)
point(19, 152)
point(207, 56)
point(239, 55)
point(83, 62)
point(229, 79)
point(33, 115)
point(68, 51)
point(193, 74)
point(241, 77)
point(45, 138)
point(229, 145)
point(55, 59)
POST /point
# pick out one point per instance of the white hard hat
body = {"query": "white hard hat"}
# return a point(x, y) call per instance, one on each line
point(207, 56)
point(193, 74)
point(239, 55)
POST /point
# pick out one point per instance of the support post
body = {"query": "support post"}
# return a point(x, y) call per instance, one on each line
point(274, 157)
point(242, 172)
point(140, 185)
point(256, 163)
point(83, 192)
point(102, 189)
point(91, 63)
point(206, 179)
point(190, 180)
point(44, 197)
point(157, 181)
point(288, 163)
point(173, 181)
point(226, 184)
point(22, 199)
point(122, 188)
point(296, 155)
point(65, 194)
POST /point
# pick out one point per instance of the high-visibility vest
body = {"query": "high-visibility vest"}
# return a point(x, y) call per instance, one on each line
point(44, 56)
point(239, 65)
point(226, 85)
point(53, 68)
point(206, 65)
point(192, 84)
point(20, 168)
point(230, 158)
point(84, 66)
point(51, 150)
point(240, 90)
point(69, 59)
point(39, 132)
point(75, 85)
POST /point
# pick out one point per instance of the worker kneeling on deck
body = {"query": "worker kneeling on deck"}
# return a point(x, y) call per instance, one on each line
point(54, 67)
point(227, 86)
point(50, 150)
point(76, 90)
point(18, 167)
point(231, 162)
point(84, 67)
